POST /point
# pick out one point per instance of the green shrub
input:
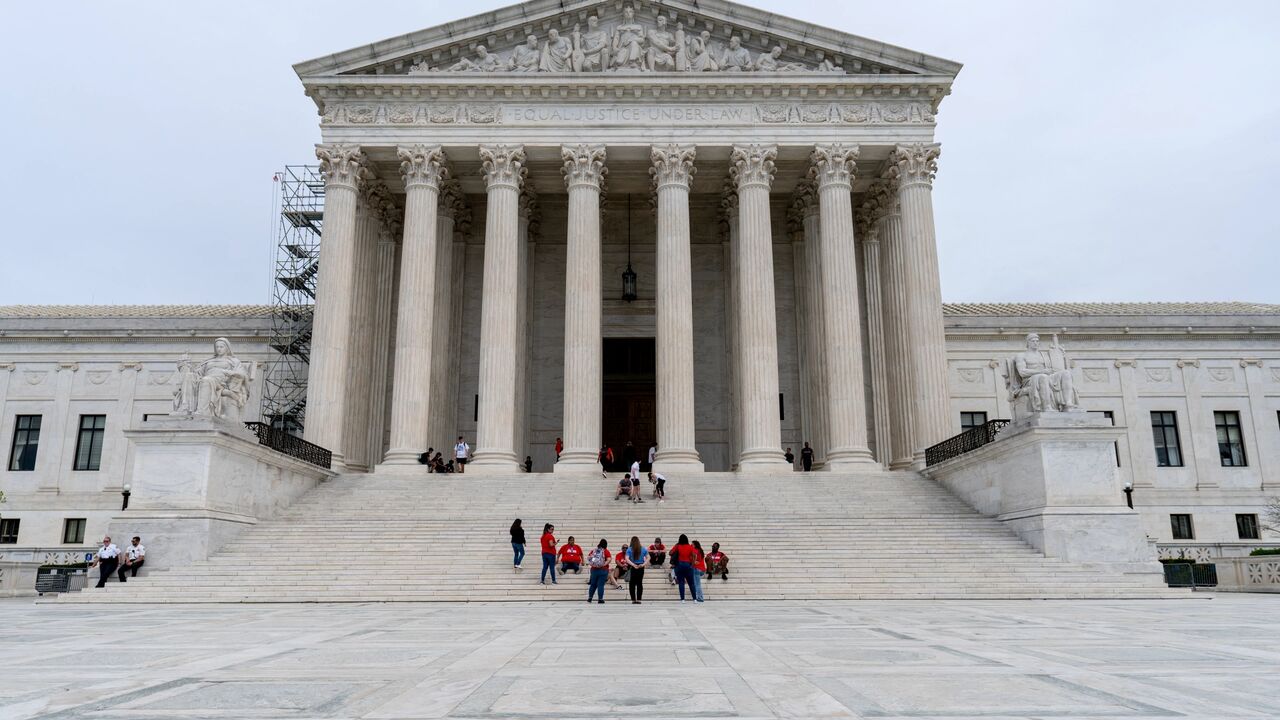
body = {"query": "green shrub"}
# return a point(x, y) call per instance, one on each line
point(1266, 551)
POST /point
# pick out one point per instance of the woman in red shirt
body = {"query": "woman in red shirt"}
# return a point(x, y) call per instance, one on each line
point(570, 557)
point(699, 570)
point(548, 554)
point(682, 558)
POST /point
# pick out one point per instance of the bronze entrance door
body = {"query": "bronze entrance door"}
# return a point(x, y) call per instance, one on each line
point(628, 407)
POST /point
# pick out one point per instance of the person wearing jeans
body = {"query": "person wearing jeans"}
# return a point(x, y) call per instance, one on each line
point(598, 560)
point(548, 554)
point(637, 558)
point(682, 557)
point(699, 570)
point(517, 545)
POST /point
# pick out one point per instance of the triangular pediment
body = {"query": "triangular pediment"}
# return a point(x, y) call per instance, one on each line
point(591, 36)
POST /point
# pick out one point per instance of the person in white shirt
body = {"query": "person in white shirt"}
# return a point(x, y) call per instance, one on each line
point(653, 453)
point(461, 453)
point(659, 482)
point(134, 556)
point(107, 559)
point(635, 482)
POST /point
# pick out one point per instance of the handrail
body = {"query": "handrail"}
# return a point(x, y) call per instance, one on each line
point(291, 445)
point(965, 442)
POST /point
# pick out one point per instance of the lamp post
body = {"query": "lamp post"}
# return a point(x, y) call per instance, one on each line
point(629, 275)
point(127, 490)
point(1128, 494)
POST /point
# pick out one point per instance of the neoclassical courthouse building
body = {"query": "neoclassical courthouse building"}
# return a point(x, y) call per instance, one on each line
point(689, 223)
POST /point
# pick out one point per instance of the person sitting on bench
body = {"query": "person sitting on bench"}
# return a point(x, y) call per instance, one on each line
point(570, 557)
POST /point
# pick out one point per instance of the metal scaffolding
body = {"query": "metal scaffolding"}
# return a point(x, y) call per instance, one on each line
point(297, 262)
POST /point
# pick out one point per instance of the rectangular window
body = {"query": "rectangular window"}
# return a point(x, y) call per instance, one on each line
point(1182, 529)
point(26, 439)
point(1246, 527)
point(1164, 428)
point(93, 428)
point(1230, 441)
point(73, 531)
point(971, 420)
point(9, 531)
point(1111, 418)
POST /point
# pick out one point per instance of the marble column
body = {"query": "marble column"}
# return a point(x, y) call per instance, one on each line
point(729, 218)
point(370, 211)
point(583, 364)
point(833, 166)
point(384, 314)
point(893, 259)
point(422, 167)
point(452, 213)
point(524, 281)
point(672, 170)
point(751, 169)
point(344, 169)
point(869, 235)
point(914, 166)
point(504, 173)
point(815, 350)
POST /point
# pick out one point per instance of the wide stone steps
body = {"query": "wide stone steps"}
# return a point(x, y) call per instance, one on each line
point(362, 538)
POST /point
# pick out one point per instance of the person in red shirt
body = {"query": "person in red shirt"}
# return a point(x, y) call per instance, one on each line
point(657, 553)
point(548, 554)
point(570, 557)
point(598, 561)
point(717, 563)
point(683, 556)
point(559, 448)
point(699, 571)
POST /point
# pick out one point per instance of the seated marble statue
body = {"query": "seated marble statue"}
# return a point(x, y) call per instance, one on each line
point(557, 53)
point(769, 62)
point(701, 58)
point(218, 386)
point(590, 49)
point(663, 47)
point(527, 57)
point(736, 58)
point(1039, 380)
point(485, 62)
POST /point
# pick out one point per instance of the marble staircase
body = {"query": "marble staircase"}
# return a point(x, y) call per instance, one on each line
point(879, 535)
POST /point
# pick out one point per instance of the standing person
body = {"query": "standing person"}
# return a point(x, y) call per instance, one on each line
point(559, 448)
point(653, 454)
point(528, 463)
point(790, 457)
point(634, 480)
point(628, 454)
point(517, 545)
point(699, 570)
point(598, 561)
point(637, 560)
point(134, 557)
point(806, 457)
point(570, 557)
point(548, 554)
point(682, 557)
point(461, 452)
point(659, 485)
point(717, 563)
point(108, 557)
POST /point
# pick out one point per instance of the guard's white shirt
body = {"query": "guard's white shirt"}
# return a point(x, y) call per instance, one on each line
point(135, 552)
point(653, 452)
point(108, 552)
point(460, 450)
point(659, 476)
point(635, 470)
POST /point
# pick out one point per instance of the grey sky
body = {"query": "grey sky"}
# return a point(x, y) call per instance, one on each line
point(1130, 147)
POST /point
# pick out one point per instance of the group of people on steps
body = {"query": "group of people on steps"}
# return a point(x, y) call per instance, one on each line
point(689, 563)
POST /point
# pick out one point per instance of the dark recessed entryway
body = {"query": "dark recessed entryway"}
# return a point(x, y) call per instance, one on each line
point(630, 390)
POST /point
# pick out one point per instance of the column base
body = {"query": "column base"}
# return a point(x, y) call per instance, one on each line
point(577, 462)
point(860, 459)
point(678, 460)
point(495, 462)
point(388, 468)
point(763, 460)
point(401, 456)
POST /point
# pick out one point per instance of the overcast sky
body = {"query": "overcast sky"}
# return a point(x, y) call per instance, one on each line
point(1092, 150)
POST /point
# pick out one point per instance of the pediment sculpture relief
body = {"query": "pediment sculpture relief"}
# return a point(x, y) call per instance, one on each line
point(629, 46)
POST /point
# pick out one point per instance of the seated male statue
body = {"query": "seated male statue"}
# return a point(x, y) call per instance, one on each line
point(1039, 380)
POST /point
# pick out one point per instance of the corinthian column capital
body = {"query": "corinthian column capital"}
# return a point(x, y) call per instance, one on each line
point(343, 165)
point(452, 201)
point(752, 165)
point(672, 164)
point(583, 165)
point(915, 163)
point(866, 221)
point(834, 164)
point(422, 165)
point(883, 197)
point(503, 165)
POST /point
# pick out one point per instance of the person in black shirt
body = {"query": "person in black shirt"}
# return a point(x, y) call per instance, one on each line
point(528, 463)
point(517, 544)
point(791, 458)
point(806, 457)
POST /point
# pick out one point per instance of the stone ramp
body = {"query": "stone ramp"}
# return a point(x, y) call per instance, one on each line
point(374, 538)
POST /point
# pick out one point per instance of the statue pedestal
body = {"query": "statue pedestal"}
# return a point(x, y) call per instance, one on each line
point(1051, 478)
point(198, 481)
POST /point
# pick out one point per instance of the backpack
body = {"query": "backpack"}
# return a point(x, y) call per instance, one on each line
point(597, 559)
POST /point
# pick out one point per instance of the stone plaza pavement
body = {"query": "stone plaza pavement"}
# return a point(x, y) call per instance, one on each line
point(1208, 657)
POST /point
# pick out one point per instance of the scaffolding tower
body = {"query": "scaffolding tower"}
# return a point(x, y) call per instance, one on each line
point(297, 262)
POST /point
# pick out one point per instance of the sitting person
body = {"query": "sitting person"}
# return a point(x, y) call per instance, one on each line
point(717, 563)
point(624, 487)
point(570, 557)
point(618, 572)
point(657, 553)
point(448, 467)
point(135, 556)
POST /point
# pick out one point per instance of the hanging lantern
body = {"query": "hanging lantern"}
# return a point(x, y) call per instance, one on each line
point(628, 275)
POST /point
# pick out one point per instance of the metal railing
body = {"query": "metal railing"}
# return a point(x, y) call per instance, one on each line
point(291, 445)
point(967, 441)
point(1178, 574)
